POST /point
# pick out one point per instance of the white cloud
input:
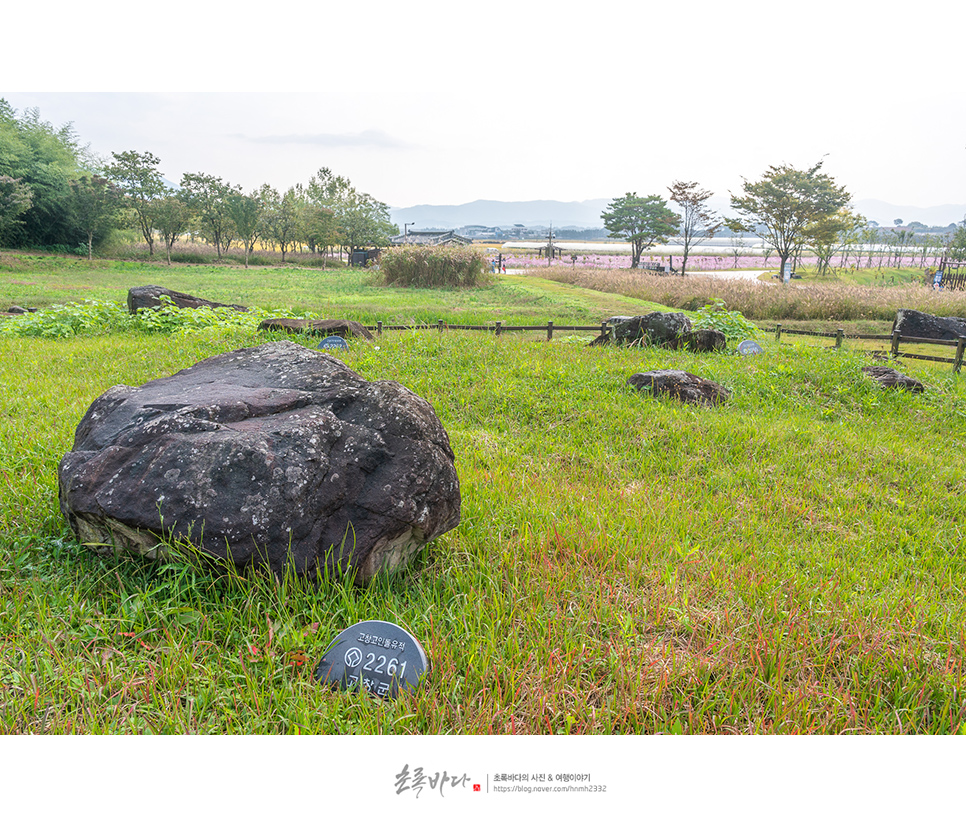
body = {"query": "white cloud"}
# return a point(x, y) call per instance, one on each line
point(376, 139)
point(434, 103)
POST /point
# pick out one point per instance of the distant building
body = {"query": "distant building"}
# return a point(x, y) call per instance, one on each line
point(430, 238)
point(482, 232)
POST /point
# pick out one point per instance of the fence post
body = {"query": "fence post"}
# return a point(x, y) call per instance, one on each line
point(379, 327)
point(603, 328)
point(960, 348)
point(499, 328)
point(895, 343)
point(439, 323)
point(778, 332)
point(549, 330)
point(839, 336)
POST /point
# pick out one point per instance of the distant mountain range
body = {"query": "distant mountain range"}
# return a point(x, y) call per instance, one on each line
point(585, 214)
point(886, 214)
point(582, 215)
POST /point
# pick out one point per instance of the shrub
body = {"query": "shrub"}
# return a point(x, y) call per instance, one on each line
point(434, 266)
point(190, 258)
point(101, 317)
point(319, 261)
point(716, 316)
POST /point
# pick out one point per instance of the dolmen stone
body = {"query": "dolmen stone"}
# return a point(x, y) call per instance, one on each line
point(706, 341)
point(682, 385)
point(277, 456)
point(319, 327)
point(891, 378)
point(149, 297)
point(657, 329)
point(921, 325)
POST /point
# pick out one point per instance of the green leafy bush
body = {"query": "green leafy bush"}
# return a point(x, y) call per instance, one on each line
point(716, 316)
point(434, 266)
point(102, 317)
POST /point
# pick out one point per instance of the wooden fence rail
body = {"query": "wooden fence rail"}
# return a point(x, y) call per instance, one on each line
point(500, 327)
point(894, 339)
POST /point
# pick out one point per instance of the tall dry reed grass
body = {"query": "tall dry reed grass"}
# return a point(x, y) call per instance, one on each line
point(434, 266)
point(762, 301)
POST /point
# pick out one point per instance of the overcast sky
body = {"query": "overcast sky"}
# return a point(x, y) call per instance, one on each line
point(439, 102)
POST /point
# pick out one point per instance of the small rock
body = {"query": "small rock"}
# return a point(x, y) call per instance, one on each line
point(683, 385)
point(891, 378)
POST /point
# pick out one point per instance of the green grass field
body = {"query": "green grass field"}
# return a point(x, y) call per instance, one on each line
point(790, 562)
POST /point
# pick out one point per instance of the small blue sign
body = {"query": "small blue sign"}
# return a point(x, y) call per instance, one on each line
point(333, 343)
point(749, 348)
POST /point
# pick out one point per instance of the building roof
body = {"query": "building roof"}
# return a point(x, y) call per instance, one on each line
point(430, 238)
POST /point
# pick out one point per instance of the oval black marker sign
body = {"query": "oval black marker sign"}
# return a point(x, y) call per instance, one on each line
point(333, 343)
point(378, 656)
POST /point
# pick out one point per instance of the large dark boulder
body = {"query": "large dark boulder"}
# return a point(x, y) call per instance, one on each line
point(925, 326)
point(150, 297)
point(681, 385)
point(656, 329)
point(275, 455)
point(319, 327)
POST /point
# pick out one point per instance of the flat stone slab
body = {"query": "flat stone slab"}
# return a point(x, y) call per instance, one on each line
point(319, 327)
point(891, 378)
point(149, 297)
point(681, 385)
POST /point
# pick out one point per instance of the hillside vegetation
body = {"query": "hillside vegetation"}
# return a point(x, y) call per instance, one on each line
point(790, 562)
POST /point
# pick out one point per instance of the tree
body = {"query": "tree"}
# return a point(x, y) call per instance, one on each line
point(320, 227)
point(698, 222)
point(736, 239)
point(44, 159)
point(245, 211)
point(957, 246)
point(364, 221)
point(207, 197)
point(869, 237)
point(15, 199)
point(785, 202)
point(280, 218)
point(643, 221)
point(96, 204)
point(849, 239)
point(901, 239)
point(829, 234)
point(139, 179)
point(358, 219)
point(171, 216)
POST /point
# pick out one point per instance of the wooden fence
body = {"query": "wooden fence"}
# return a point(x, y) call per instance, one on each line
point(500, 327)
point(894, 339)
point(953, 275)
